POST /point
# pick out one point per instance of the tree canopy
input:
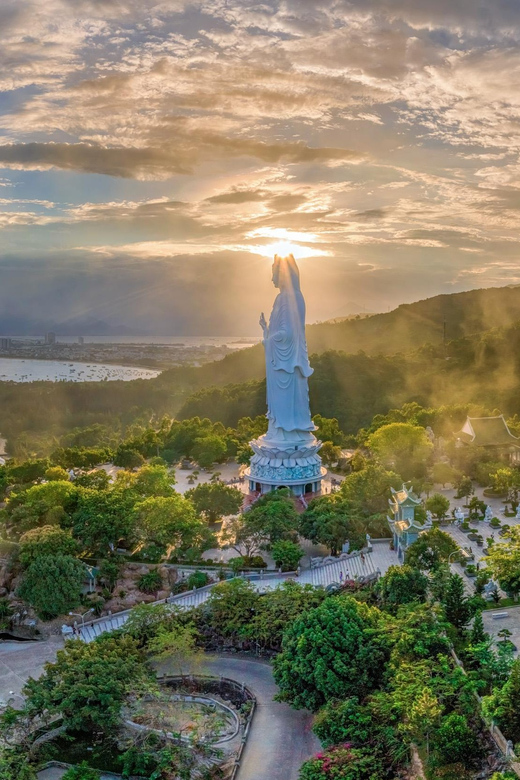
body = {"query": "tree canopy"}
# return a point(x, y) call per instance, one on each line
point(403, 447)
point(170, 522)
point(89, 683)
point(329, 652)
point(504, 561)
point(52, 584)
point(432, 549)
point(47, 540)
point(215, 500)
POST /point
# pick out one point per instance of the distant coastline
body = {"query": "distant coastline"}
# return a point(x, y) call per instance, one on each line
point(151, 353)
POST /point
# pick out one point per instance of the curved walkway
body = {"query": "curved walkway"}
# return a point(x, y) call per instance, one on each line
point(280, 738)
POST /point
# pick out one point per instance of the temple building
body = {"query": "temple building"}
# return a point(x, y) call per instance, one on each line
point(491, 433)
point(402, 522)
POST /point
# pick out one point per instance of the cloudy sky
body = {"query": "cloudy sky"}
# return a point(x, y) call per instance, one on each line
point(153, 154)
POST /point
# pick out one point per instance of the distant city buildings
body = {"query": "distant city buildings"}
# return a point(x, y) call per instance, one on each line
point(156, 356)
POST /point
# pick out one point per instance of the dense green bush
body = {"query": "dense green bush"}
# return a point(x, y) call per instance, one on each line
point(197, 579)
point(340, 628)
point(52, 585)
point(150, 582)
point(455, 742)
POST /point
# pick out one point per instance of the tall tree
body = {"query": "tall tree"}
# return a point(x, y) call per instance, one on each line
point(232, 606)
point(52, 584)
point(401, 585)
point(215, 500)
point(327, 520)
point(456, 604)
point(332, 651)
point(88, 683)
point(103, 518)
point(431, 550)
point(403, 447)
point(274, 516)
point(170, 522)
point(47, 540)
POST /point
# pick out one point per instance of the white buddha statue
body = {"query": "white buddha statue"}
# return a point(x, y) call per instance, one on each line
point(286, 358)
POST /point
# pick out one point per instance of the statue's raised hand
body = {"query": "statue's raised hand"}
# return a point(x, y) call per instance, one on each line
point(263, 323)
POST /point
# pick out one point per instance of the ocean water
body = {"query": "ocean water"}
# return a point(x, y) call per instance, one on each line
point(18, 370)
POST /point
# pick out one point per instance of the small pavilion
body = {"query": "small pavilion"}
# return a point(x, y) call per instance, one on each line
point(402, 523)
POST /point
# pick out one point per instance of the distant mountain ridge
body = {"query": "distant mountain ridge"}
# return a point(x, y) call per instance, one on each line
point(411, 325)
point(400, 331)
point(77, 326)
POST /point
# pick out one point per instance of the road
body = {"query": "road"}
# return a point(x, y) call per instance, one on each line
point(280, 739)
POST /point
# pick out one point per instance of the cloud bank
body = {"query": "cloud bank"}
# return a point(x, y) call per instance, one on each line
point(150, 150)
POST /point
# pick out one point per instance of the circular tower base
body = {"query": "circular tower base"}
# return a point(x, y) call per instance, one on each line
point(293, 464)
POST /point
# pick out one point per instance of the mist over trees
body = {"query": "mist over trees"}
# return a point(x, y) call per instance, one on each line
point(480, 367)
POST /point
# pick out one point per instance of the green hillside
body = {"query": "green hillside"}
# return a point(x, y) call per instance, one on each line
point(402, 330)
point(387, 360)
point(483, 370)
point(414, 324)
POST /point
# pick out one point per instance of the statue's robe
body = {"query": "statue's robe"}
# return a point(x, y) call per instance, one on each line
point(287, 364)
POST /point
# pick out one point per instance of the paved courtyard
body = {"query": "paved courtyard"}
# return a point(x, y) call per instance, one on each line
point(485, 530)
point(493, 625)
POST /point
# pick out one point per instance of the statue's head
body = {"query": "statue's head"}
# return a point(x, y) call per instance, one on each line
point(285, 273)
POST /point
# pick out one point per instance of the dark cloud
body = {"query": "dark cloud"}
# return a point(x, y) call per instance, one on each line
point(239, 196)
point(369, 215)
point(160, 163)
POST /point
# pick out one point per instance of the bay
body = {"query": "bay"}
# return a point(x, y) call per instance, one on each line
point(18, 370)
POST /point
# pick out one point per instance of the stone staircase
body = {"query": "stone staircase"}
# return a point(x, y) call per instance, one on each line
point(353, 567)
point(350, 568)
point(189, 600)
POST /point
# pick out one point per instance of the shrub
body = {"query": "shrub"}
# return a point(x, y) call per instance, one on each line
point(456, 742)
point(150, 582)
point(197, 579)
point(246, 562)
point(81, 772)
point(495, 522)
point(342, 761)
point(287, 554)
